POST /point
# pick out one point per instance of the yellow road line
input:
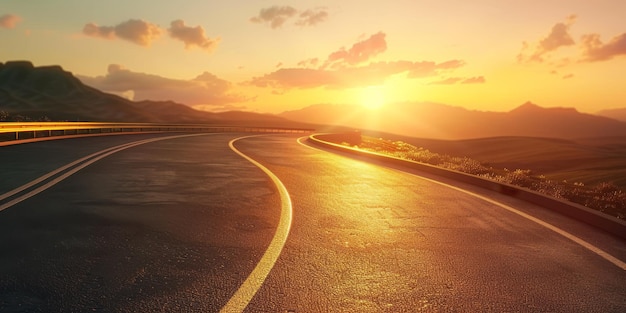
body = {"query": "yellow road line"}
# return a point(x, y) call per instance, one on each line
point(239, 301)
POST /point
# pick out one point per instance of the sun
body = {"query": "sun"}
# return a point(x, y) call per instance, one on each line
point(373, 97)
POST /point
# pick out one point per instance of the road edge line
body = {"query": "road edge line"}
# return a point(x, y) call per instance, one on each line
point(601, 253)
point(86, 162)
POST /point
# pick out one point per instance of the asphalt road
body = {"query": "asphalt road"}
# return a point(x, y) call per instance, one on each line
point(178, 225)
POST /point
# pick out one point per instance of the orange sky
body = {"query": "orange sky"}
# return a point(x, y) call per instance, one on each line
point(269, 56)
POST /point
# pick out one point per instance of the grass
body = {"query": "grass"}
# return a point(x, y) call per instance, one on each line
point(605, 197)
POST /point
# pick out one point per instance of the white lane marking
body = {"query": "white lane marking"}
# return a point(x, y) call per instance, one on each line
point(251, 285)
point(50, 174)
point(549, 226)
point(605, 255)
point(91, 159)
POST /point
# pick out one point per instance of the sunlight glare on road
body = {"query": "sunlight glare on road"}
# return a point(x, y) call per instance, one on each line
point(363, 209)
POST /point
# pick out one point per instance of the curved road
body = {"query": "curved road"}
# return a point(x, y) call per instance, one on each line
point(179, 225)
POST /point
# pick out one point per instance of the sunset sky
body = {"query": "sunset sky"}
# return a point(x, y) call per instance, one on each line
point(273, 56)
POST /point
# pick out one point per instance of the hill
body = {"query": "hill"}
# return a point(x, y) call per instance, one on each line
point(618, 114)
point(51, 92)
point(438, 121)
point(590, 160)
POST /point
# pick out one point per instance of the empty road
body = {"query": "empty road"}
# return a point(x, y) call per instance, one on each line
point(177, 223)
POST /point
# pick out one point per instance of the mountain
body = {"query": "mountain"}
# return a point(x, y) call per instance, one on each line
point(439, 121)
point(50, 91)
point(618, 114)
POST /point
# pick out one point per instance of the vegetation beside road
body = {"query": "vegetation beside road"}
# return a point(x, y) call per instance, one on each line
point(605, 197)
point(7, 117)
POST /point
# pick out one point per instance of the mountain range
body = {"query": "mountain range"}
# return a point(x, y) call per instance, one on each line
point(58, 95)
point(439, 121)
point(618, 114)
point(51, 92)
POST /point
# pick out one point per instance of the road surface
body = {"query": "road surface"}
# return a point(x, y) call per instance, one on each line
point(179, 224)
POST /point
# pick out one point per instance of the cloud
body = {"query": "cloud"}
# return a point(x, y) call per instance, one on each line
point(447, 81)
point(558, 37)
point(9, 20)
point(277, 16)
point(347, 68)
point(136, 31)
point(474, 80)
point(595, 50)
point(274, 16)
point(312, 17)
point(205, 89)
point(429, 68)
point(461, 80)
point(348, 77)
point(192, 36)
point(359, 52)
point(452, 64)
point(94, 30)
point(309, 62)
point(568, 76)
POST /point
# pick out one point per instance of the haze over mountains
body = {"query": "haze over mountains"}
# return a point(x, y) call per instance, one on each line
point(438, 121)
point(50, 91)
point(618, 114)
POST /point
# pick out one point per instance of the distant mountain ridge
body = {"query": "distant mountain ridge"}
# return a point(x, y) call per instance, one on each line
point(618, 114)
point(52, 92)
point(56, 94)
point(439, 121)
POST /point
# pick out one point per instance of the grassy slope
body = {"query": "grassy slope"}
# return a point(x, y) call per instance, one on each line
point(589, 161)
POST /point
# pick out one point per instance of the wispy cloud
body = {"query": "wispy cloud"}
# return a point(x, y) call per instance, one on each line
point(359, 52)
point(136, 31)
point(9, 20)
point(595, 50)
point(460, 80)
point(274, 16)
point(557, 37)
point(277, 16)
point(474, 80)
point(192, 36)
point(447, 81)
point(346, 77)
point(353, 67)
point(430, 68)
point(205, 89)
point(592, 48)
point(312, 17)
point(313, 62)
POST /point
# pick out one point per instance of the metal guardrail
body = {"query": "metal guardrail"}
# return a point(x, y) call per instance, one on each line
point(10, 132)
